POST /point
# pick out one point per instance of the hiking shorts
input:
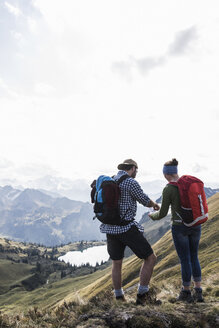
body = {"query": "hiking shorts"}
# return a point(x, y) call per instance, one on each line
point(133, 238)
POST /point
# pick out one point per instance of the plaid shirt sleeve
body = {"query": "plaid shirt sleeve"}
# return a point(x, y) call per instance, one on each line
point(138, 194)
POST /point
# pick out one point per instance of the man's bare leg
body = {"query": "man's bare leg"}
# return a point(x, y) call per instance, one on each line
point(117, 274)
point(147, 269)
point(145, 276)
point(117, 279)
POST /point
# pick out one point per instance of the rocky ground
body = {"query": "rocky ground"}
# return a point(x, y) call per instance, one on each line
point(104, 311)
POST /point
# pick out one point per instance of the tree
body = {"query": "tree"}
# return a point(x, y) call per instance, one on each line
point(38, 267)
point(63, 274)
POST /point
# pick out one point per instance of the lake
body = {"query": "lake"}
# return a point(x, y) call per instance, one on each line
point(91, 255)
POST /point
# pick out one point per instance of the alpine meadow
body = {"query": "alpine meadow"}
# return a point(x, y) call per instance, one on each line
point(82, 297)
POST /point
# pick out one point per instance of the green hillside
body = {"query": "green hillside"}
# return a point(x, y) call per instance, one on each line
point(87, 301)
point(46, 296)
point(167, 269)
point(166, 279)
point(32, 275)
point(12, 274)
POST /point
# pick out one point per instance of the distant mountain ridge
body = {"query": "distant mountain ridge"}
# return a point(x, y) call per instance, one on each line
point(32, 216)
point(37, 216)
point(210, 192)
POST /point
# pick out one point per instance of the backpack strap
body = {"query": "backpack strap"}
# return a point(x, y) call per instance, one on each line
point(122, 178)
point(173, 184)
point(93, 191)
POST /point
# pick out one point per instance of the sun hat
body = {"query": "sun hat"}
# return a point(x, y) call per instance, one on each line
point(127, 163)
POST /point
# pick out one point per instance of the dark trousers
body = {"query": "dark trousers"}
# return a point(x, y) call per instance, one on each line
point(186, 241)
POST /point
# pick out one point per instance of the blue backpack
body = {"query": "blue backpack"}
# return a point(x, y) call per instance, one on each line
point(105, 195)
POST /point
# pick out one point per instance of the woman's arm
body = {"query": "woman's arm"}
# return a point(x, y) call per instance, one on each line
point(166, 200)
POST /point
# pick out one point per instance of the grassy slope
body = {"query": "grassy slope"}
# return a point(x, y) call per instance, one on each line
point(166, 274)
point(12, 274)
point(47, 296)
point(167, 269)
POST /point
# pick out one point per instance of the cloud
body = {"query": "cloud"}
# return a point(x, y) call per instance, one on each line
point(44, 89)
point(33, 170)
point(183, 41)
point(199, 168)
point(124, 68)
point(13, 9)
point(5, 91)
point(5, 163)
point(32, 23)
point(145, 65)
point(142, 65)
point(19, 55)
point(12, 173)
point(214, 114)
point(182, 44)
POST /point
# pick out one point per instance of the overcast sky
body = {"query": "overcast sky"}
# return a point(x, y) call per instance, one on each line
point(85, 84)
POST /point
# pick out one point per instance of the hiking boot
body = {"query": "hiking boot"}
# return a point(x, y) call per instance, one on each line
point(121, 298)
point(147, 298)
point(185, 296)
point(197, 295)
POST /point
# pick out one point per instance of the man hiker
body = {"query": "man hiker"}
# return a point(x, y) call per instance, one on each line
point(131, 233)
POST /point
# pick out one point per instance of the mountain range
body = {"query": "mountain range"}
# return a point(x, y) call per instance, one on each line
point(77, 189)
point(32, 216)
point(38, 216)
point(44, 217)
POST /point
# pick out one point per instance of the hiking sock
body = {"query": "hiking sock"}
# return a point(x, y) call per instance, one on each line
point(118, 292)
point(142, 289)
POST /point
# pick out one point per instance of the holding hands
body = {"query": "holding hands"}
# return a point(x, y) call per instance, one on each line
point(156, 207)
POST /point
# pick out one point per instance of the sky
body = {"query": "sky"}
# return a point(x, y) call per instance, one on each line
point(85, 85)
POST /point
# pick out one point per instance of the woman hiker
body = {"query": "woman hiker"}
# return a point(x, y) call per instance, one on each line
point(186, 239)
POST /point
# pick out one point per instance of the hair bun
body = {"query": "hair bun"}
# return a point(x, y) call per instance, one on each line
point(174, 162)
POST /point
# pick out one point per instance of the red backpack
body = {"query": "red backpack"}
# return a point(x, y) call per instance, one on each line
point(194, 208)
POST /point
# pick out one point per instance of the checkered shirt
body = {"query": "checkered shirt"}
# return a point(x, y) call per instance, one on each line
point(131, 193)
